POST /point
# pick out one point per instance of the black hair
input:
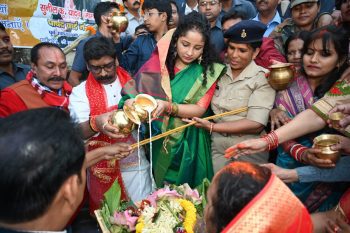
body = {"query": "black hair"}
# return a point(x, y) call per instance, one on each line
point(338, 3)
point(34, 52)
point(254, 45)
point(302, 35)
point(2, 27)
point(40, 149)
point(98, 47)
point(233, 14)
point(174, 2)
point(337, 36)
point(160, 5)
point(237, 184)
point(141, 26)
point(103, 8)
point(197, 22)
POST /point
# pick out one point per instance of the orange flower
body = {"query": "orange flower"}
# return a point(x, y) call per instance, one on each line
point(91, 29)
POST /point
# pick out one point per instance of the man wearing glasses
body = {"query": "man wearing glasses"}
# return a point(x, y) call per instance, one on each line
point(157, 14)
point(211, 9)
point(91, 104)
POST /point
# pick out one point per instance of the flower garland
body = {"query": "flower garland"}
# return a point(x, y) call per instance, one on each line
point(140, 225)
point(188, 223)
point(190, 218)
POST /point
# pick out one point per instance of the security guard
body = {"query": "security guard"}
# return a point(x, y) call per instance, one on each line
point(243, 85)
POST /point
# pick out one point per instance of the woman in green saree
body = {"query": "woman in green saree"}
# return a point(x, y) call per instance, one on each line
point(181, 74)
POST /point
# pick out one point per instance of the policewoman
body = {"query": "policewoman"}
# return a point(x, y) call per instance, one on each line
point(243, 85)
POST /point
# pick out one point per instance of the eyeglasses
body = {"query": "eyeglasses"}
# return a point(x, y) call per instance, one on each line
point(149, 14)
point(98, 69)
point(205, 3)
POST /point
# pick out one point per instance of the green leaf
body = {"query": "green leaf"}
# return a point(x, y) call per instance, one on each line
point(106, 215)
point(112, 197)
point(202, 190)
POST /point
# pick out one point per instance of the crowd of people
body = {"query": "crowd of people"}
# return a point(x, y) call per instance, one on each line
point(196, 58)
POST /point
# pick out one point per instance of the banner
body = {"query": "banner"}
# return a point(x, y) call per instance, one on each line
point(29, 22)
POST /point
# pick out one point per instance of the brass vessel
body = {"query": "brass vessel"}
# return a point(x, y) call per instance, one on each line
point(335, 117)
point(119, 21)
point(324, 143)
point(122, 122)
point(280, 75)
point(143, 105)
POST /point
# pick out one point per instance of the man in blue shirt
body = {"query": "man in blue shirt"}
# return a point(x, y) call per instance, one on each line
point(268, 14)
point(211, 9)
point(101, 14)
point(157, 14)
point(245, 7)
point(10, 72)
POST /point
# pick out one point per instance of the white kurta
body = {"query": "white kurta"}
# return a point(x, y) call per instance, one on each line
point(137, 179)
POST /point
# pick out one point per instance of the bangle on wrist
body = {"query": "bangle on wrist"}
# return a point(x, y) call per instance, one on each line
point(170, 108)
point(174, 109)
point(297, 152)
point(271, 139)
point(92, 123)
point(211, 128)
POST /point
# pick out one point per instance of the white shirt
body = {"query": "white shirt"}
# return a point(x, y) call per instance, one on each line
point(189, 9)
point(79, 106)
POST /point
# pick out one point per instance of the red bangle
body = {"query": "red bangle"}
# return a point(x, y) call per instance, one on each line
point(92, 123)
point(297, 152)
point(271, 139)
point(170, 108)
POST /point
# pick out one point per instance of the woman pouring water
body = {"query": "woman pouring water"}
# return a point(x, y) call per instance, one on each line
point(181, 74)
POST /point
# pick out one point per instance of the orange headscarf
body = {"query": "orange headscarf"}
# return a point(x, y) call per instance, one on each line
point(274, 210)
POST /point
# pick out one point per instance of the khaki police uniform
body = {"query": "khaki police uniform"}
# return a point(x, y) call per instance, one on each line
point(249, 89)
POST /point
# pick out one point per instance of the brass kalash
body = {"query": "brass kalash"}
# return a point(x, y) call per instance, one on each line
point(280, 75)
point(119, 22)
point(126, 119)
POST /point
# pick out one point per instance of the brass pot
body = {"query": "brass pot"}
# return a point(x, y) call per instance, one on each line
point(280, 76)
point(143, 105)
point(119, 21)
point(145, 102)
point(122, 122)
point(324, 143)
point(335, 117)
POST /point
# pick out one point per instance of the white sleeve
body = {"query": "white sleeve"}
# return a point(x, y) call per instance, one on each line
point(79, 107)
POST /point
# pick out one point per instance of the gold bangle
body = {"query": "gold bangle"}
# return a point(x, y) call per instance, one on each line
point(211, 128)
point(174, 109)
point(92, 123)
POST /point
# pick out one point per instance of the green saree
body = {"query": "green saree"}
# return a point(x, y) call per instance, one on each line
point(183, 157)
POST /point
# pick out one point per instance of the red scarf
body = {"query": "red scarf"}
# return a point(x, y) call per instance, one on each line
point(51, 97)
point(105, 172)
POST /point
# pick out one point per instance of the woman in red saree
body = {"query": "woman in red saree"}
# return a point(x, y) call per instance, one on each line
point(245, 197)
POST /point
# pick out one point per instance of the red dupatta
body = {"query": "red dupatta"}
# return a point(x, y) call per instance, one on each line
point(105, 172)
point(51, 97)
point(274, 210)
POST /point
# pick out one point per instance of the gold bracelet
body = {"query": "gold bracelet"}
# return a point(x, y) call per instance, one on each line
point(92, 123)
point(211, 128)
point(174, 109)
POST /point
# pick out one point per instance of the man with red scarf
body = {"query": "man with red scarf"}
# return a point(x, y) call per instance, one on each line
point(91, 104)
point(45, 85)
